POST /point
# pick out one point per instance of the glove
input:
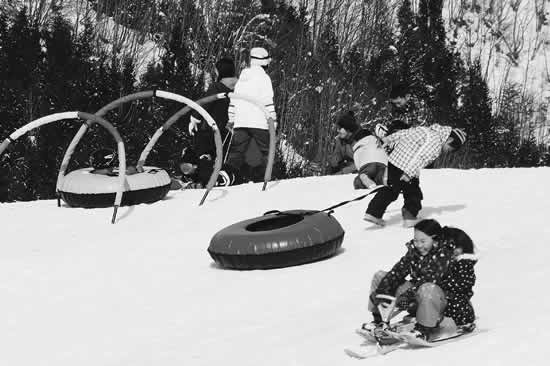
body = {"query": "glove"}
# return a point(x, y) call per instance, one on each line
point(193, 125)
point(406, 299)
point(229, 126)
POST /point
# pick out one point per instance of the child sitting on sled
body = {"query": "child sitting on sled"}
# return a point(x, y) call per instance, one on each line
point(439, 285)
point(460, 279)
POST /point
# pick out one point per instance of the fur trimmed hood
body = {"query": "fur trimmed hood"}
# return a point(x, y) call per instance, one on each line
point(467, 256)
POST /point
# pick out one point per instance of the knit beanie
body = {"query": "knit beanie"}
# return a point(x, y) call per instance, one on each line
point(189, 156)
point(347, 122)
point(225, 67)
point(259, 56)
point(459, 138)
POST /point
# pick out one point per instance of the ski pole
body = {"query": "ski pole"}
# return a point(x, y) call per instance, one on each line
point(228, 146)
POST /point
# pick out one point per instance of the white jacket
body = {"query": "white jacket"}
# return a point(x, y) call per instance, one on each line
point(367, 151)
point(255, 83)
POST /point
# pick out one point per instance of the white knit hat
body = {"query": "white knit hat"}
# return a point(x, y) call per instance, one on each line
point(259, 56)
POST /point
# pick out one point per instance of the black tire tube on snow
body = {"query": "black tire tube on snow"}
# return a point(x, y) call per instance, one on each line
point(129, 198)
point(277, 239)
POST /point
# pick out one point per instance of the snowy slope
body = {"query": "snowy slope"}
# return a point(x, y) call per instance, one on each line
point(76, 290)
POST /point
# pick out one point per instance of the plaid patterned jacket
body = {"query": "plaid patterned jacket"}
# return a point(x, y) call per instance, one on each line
point(415, 148)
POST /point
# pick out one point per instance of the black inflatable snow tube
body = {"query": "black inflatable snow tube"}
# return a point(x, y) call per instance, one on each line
point(277, 239)
point(80, 188)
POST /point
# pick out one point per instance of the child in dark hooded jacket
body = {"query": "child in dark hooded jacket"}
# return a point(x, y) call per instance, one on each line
point(416, 280)
point(460, 278)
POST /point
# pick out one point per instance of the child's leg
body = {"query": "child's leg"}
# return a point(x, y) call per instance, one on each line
point(412, 196)
point(376, 279)
point(431, 302)
point(386, 195)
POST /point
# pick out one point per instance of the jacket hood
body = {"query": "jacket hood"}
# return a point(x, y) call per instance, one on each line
point(467, 257)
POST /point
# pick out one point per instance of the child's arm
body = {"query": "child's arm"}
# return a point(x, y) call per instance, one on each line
point(394, 138)
point(395, 277)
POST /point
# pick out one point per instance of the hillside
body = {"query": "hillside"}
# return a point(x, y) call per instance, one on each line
point(76, 290)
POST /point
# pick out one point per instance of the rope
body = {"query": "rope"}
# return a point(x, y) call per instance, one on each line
point(329, 209)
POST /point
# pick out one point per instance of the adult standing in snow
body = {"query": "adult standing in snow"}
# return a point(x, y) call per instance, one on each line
point(204, 136)
point(411, 150)
point(247, 121)
point(341, 159)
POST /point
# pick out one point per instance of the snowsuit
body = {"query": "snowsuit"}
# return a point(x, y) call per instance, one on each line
point(411, 150)
point(458, 284)
point(249, 121)
point(370, 159)
point(341, 159)
point(422, 294)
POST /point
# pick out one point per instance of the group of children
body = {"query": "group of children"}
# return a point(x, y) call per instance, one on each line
point(432, 281)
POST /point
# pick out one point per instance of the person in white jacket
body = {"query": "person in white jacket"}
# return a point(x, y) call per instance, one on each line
point(246, 119)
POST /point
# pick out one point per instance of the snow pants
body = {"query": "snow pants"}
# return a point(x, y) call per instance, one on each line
point(430, 300)
point(239, 146)
point(412, 195)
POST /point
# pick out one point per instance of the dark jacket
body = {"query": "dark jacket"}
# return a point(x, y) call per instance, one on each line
point(204, 137)
point(421, 269)
point(341, 159)
point(458, 284)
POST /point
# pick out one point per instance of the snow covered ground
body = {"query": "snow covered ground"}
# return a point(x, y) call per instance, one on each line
point(76, 290)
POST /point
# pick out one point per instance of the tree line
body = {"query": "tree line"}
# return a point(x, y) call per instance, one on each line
point(323, 64)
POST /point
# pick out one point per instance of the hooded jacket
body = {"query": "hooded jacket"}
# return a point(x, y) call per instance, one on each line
point(458, 286)
point(415, 148)
point(419, 269)
point(256, 84)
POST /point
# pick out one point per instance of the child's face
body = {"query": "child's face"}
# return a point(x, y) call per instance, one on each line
point(447, 146)
point(423, 242)
point(187, 168)
point(343, 133)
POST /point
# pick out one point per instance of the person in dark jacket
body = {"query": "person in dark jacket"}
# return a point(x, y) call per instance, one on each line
point(403, 105)
point(225, 83)
point(197, 169)
point(341, 160)
point(460, 278)
point(103, 161)
point(426, 265)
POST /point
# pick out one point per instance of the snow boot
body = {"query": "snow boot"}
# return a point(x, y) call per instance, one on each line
point(368, 217)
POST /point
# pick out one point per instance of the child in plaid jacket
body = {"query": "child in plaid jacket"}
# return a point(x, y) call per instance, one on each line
point(411, 150)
